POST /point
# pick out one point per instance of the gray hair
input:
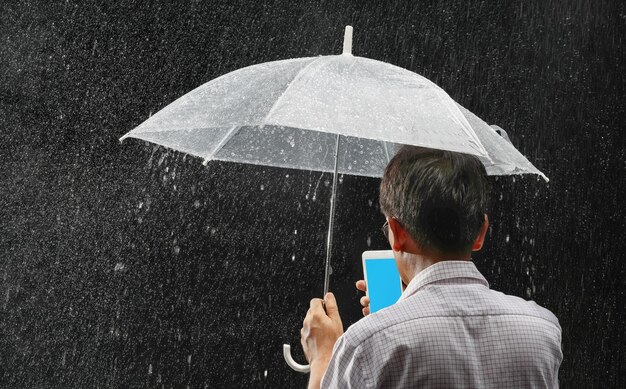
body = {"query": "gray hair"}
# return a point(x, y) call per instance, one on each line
point(439, 197)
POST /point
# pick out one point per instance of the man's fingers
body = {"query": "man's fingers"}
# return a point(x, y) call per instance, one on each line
point(365, 301)
point(316, 304)
point(366, 311)
point(332, 310)
point(360, 285)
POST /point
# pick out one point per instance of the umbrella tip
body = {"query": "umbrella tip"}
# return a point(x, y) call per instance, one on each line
point(347, 41)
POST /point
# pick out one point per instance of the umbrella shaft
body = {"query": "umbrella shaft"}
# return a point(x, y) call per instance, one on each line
point(329, 242)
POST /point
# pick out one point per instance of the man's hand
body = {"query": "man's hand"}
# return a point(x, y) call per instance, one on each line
point(365, 301)
point(320, 331)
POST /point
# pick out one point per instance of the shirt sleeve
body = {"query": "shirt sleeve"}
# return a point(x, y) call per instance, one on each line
point(344, 370)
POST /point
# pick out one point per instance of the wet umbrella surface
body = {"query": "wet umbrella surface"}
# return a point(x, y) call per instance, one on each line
point(136, 266)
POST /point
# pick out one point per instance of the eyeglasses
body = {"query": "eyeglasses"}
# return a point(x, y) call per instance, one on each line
point(385, 229)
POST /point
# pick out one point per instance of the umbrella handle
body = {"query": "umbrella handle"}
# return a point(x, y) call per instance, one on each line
point(293, 364)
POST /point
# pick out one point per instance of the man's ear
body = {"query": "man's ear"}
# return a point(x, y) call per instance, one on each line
point(480, 239)
point(399, 238)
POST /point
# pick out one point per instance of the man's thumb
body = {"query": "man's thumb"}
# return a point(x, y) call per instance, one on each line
point(331, 306)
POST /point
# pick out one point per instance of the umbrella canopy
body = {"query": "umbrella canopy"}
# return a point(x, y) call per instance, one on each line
point(288, 113)
point(504, 158)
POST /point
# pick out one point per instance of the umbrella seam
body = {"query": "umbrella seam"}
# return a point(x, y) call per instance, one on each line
point(298, 75)
point(386, 151)
point(222, 142)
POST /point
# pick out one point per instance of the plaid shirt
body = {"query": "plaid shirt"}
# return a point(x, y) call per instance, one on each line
point(449, 330)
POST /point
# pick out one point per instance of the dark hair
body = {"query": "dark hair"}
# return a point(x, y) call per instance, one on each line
point(439, 197)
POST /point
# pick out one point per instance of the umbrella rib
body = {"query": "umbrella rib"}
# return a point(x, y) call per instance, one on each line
point(298, 75)
point(221, 144)
point(386, 151)
point(464, 123)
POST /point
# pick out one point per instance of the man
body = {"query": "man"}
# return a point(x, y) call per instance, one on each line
point(448, 330)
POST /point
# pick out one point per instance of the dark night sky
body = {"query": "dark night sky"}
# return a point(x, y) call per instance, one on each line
point(130, 265)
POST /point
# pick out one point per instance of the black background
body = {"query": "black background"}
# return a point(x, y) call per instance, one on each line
point(130, 265)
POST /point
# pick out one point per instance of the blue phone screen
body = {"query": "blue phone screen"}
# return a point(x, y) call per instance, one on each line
point(383, 283)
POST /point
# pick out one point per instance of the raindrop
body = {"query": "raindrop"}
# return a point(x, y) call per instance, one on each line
point(262, 187)
point(196, 204)
point(150, 369)
point(295, 232)
point(369, 241)
point(507, 239)
point(293, 257)
point(119, 266)
point(265, 374)
point(176, 250)
point(140, 205)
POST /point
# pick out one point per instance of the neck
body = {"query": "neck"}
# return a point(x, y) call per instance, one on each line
point(416, 263)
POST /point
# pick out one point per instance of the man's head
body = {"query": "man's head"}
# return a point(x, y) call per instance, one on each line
point(438, 197)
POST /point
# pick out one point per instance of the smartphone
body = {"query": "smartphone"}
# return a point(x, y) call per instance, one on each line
point(384, 285)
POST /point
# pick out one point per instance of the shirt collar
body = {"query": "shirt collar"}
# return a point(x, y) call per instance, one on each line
point(441, 271)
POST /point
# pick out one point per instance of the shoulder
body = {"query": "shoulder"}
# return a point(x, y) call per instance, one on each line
point(420, 309)
point(529, 308)
point(387, 320)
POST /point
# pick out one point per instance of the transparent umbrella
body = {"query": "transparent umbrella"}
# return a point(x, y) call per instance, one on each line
point(337, 113)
